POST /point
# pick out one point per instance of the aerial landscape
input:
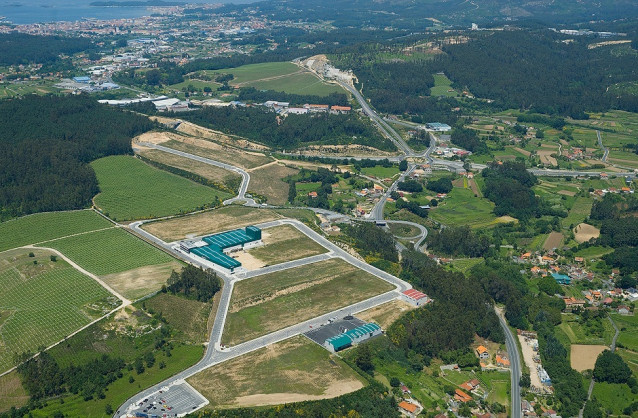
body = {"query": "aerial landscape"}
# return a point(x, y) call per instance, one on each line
point(307, 208)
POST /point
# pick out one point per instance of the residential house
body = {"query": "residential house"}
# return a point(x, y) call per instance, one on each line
point(482, 352)
point(502, 361)
point(408, 408)
point(623, 310)
point(461, 396)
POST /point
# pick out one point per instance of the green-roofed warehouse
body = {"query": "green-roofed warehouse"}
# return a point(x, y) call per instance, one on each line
point(354, 336)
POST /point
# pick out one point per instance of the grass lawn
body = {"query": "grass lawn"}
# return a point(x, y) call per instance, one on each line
point(302, 83)
point(614, 397)
point(252, 72)
point(296, 369)
point(44, 302)
point(403, 230)
point(210, 222)
point(274, 301)
point(628, 326)
point(465, 264)
point(380, 172)
point(441, 86)
point(285, 243)
point(12, 392)
point(460, 207)
point(40, 227)
point(131, 189)
point(110, 251)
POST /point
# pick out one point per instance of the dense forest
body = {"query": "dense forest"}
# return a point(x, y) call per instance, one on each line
point(294, 131)
point(44, 167)
point(23, 49)
point(459, 241)
point(371, 240)
point(194, 283)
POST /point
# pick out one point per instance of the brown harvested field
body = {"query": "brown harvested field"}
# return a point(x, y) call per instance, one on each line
point(474, 187)
point(566, 193)
point(459, 183)
point(267, 181)
point(293, 370)
point(217, 152)
point(275, 301)
point(285, 243)
point(553, 240)
point(386, 314)
point(522, 151)
point(218, 220)
point(139, 282)
point(11, 392)
point(584, 232)
point(207, 171)
point(546, 157)
point(583, 357)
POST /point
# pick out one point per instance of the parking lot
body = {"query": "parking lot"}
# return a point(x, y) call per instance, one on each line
point(174, 401)
point(339, 326)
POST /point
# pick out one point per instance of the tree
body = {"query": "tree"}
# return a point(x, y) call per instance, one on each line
point(611, 368)
point(108, 409)
point(363, 358)
point(53, 258)
point(395, 382)
point(592, 409)
point(525, 380)
point(403, 165)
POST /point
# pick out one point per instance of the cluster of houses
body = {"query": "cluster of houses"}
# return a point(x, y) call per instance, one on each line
point(284, 108)
point(603, 192)
point(449, 152)
point(500, 360)
point(547, 265)
point(614, 298)
point(528, 408)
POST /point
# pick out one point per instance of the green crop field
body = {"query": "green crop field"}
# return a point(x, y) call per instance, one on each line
point(44, 302)
point(578, 333)
point(579, 211)
point(130, 189)
point(252, 72)
point(613, 396)
point(302, 83)
point(593, 252)
point(380, 172)
point(41, 227)
point(460, 207)
point(628, 326)
point(109, 251)
point(441, 86)
point(274, 301)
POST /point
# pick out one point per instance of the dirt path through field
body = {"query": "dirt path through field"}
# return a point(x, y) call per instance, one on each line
point(274, 77)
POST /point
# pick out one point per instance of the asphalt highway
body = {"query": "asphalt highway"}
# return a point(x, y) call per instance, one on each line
point(515, 367)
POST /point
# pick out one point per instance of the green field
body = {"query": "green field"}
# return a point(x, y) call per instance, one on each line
point(279, 76)
point(110, 251)
point(274, 301)
point(628, 326)
point(294, 366)
point(593, 252)
point(285, 243)
point(579, 211)
point(465, 264)
point(613, 397)
point(9, 90)
point(130, 189)
point(460, 207)
point(380, 172)
point(44, 302)
point(578, 333)
point(441, 86)
point(187, 315)
point(41, 227)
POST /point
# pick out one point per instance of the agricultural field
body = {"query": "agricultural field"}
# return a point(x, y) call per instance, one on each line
point(593, 252)
point(274, 301)
point(443, 87)
point(253, 72)
point(142, 281)
point(210, 222)
point(284, 243)
point(268, 181)
point(9, 90)
point(579, 211)
point(43, 301)
point(380, 172)
point(554, 240)
point(613, 396)
point(131, 189)
point(579, 333)
point(40, 227)
point(216, 174)
point(631, 358)
point(628, 325)
point(583, 357)
point(12, 393)
point(465, 264)
point(293, 370)
point(110, 251)
point(461, 207)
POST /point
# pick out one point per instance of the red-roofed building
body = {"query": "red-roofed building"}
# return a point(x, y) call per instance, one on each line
point(340, 109)
point(409, 408)
point(461, 396)
point(415, 297)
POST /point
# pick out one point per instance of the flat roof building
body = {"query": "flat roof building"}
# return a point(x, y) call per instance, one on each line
point(438, 127)
point(354, 336)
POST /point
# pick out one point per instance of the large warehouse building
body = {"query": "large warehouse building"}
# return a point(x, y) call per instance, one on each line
point(354, 336)
point(215, 248)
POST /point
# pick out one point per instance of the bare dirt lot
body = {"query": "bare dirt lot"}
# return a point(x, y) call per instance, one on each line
point(546, 157)
point(386, 314)
point(528, 358)
point(134, 284)
point(289, 371)
point(584, 232)
point(284, 243)
point(218, 220)
point(267, 181)
point(553, 240)
point(583, 357)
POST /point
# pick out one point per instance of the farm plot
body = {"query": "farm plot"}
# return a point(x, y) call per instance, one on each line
point(583, 357)
point(274, 301)
point(461, 207)
point(297, 83)
point(268, 181)
point(139, 282)
point(210, 172)
point(131, 189)
point(584, 232)
point(579, 211)
point(218, 220)
point(43, 301)
point(629, 331)
point(285, 243)
point(40, 227)
point(289, 371)
point(12, 393)
point(553, 240)
point(110, 251)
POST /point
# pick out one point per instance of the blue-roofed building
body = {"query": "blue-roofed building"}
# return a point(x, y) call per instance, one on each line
point(354, 336)
point(215, 248)
point(562, 278)
point(82, 79)
point(438, 127)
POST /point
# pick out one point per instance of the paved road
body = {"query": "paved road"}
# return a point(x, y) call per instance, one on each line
point(214, 353)
point(244, 174)
point(600, 144)
point(515, 367)
point(377, 211)
point(570, 173)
